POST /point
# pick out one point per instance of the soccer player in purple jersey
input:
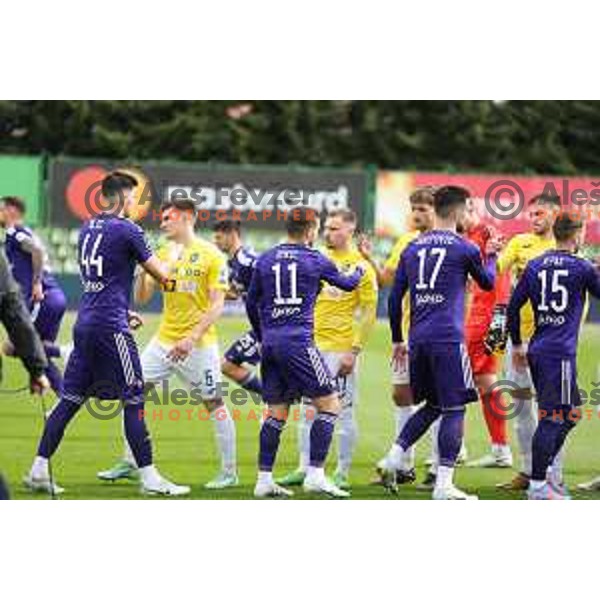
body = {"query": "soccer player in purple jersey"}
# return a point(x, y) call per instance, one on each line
point(435, 268)
point(556, 284)
point(105, 363)
point(281, 301)
point(42, 294)
point(241, 260)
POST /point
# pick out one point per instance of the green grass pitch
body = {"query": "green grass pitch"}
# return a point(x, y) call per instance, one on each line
point(185, 450)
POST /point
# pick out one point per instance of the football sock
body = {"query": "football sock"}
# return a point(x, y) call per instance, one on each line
point(444, 476)
point(417, 425)
point(150, 476)
point(307, 415)
point(545, 441)
point(321, 434)
point(127, 453)
point(252, 383)
point(225, 434)
point(56, 424)
point(450, 437)
point(136, 434)
point(270, 434)
point(403, 414)
point(434, 455)
point(493, 413)
point(525, 425)
point(348, 434)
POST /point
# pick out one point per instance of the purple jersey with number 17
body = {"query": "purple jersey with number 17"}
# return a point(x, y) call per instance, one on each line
point(435, 268)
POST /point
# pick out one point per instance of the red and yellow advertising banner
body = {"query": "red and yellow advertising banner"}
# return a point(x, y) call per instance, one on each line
point(502, 200)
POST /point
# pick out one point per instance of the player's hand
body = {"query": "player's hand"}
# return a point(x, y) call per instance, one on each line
point(494, 245)
point(519, 357)
point(364, 246)
point(39, 385)
point(347, 362)
point(181, 350)
point(8, 349)
point(37, 292)
point(399, 355)
point(134, 319)
point(497, 334)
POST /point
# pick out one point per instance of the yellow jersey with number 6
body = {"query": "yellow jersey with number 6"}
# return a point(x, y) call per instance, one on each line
point(194, 271)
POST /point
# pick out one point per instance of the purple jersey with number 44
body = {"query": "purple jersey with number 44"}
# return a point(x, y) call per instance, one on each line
point(109, 250)
point(105, 361)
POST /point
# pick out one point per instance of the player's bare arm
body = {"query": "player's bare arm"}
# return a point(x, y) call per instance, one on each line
point(153, 271)
point(37, 265)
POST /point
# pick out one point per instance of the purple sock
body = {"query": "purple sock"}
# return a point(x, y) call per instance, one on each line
point(321, 434)
point(270, 434)
point(54, 377)
point(56, 424)
point(252, 383)
point(417, 425)
point(548, 439)
point(137, 434)
point(450, 436)
point(52, 350)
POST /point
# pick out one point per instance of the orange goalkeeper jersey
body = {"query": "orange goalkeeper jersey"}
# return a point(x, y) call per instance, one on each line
point(480, 304)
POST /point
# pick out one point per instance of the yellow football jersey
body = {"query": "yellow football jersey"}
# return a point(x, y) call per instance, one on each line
point(515, 256)
point(194, 271)
point(336, 328)
point(391, 264)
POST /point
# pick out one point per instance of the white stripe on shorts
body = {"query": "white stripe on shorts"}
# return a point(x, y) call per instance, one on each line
point(466, 366)
point(317, 366)
point(35, 311)
point(125, 358)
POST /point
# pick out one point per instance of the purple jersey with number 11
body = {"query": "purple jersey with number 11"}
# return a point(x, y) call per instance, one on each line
point(284, 290)
point(281, 302)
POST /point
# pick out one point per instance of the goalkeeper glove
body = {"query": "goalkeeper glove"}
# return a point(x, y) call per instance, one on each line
point(497, 335)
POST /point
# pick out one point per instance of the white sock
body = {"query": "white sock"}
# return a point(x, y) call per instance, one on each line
point(265, 477)
point(536, 485)
point(348, 434)
point(395, 457)
point(127, 453)
point(39, 469)
point(435, 455)
point(403, 414)
point(150, 475)
point(556, 468)
point(315, 473)
point(525, 426)
point(444, 477)
point(225, 434)
point(304, 427)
